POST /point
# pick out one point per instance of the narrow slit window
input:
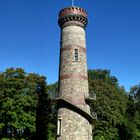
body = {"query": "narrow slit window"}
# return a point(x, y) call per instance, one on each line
point(59, 125)
point(76, 55)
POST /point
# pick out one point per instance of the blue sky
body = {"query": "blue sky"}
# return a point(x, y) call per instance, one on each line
point(29, 36)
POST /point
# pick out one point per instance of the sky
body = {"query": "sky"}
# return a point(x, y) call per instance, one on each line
point(29, 37)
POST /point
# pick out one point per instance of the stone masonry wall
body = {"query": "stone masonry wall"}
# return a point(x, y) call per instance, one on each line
point(73, 75)
point(74, 127)
point(73, 85)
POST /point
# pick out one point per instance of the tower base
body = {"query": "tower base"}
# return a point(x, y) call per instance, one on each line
point(73, 126)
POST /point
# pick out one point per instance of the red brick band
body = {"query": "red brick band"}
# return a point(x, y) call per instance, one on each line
point(69, 47)
point(82, 77)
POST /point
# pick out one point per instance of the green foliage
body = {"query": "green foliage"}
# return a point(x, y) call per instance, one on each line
point(26, 110)
point(132, 126)
point(45, 122)
point(51, 132)
point(110, 104)
point(99, 137)
point(5, 139)
point(53, 93)
point(18, 102)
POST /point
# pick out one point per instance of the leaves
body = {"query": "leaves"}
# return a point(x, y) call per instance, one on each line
point(26, 109)
point(110, 104)
point(18, 102)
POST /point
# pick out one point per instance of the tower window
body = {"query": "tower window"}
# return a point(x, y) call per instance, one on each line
point(59, 125)
point(76, 55)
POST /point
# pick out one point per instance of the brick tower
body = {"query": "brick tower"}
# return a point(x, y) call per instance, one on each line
point(74, 121)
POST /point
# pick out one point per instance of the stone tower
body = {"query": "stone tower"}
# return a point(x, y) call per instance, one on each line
point(74, 120)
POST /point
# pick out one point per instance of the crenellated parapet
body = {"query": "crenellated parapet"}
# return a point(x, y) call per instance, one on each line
point(73, 16)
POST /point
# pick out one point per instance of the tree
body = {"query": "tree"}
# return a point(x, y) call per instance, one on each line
point(27, 111)
point(133, 114)
point(45, 122)
point(18, 103)
point(110, 104)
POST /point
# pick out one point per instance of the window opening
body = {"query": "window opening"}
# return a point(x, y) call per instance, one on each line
point(76, 55)
point(59, 125)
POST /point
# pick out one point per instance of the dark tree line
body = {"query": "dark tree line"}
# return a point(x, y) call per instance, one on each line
point(27, 111)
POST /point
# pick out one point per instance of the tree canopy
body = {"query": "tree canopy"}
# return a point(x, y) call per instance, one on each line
point(20, 97)
point(118, 111)
point(26, 110)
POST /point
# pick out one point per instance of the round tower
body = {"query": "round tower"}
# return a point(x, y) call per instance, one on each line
point(74, 119)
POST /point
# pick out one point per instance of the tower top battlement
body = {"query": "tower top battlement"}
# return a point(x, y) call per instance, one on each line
point(72, 10)
point(73, 15)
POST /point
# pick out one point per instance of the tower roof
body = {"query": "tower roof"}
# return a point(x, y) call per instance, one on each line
point(73, 14)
